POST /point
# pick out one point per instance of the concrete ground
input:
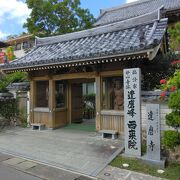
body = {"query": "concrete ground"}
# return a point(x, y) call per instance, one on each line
point(113, 173)
point(79, 151)
point(15, 168)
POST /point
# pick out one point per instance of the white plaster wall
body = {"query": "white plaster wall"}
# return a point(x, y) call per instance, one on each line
point(19, 53)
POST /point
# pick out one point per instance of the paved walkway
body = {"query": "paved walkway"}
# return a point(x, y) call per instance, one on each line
point(19, 169)
point(64, 155)
point(83, 152)
point(112, 173)
point(15, 168)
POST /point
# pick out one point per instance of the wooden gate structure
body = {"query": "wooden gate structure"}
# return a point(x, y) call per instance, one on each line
point(58, 64)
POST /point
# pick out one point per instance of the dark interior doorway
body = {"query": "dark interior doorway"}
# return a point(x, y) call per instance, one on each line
point(76, 103)
point(83, 103)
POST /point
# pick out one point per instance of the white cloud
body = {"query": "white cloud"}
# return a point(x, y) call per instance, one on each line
point(3, 35)
point(129, 1)
point(13, 9)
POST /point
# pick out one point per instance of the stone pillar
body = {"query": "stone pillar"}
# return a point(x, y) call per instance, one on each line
point(132, 111)
point(153, 132)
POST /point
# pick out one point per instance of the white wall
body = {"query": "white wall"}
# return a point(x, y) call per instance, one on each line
point(19, 53)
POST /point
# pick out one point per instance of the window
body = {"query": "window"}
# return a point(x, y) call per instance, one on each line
point(18, 47)
point(88, 88)
point(42, 93)
point(26, 45)
point(60, 95)
point(112, 93)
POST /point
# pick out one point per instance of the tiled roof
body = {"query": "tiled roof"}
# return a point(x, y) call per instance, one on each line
point(21, 86)
point(134, 9)
point(118, 39)
point(3, 44)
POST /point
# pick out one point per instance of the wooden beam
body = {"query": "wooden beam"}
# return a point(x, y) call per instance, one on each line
point(41, 78)
point(85, 75)
point(112, 73)
point(82, 80)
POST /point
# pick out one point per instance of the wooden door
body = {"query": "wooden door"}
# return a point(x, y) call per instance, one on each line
point(76, 103)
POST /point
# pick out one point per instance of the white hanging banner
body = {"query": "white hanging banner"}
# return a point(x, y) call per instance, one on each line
point(132, 111)
point(153, 132)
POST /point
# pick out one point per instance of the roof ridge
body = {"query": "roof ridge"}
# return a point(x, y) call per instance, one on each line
point(97, 30)
point(19, 37)
point(124, 6)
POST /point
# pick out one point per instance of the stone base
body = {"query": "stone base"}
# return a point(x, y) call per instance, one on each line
point(160, 163)
point(130, 155)
point(38, 126)
point(105, 133)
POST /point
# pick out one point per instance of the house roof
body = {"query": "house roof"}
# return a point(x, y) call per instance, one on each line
point(3, 44)
point(137, 36)
point(135, 9)
point(20, 39)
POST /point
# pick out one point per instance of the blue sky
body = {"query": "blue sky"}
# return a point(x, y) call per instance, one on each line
point(13, 13)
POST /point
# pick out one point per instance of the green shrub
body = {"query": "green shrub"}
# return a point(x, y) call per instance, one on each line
point(174, 100)
point(8, 109)
point(90, 98)
point(10, 78)
point(173, 119)
point(172, 85)
point(22, 117)
point(171, 139)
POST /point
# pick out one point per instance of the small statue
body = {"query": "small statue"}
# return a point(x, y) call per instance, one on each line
point(118, 100)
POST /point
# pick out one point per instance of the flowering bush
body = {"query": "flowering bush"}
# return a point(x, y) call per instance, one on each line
point(162, 81)
point(163, 94)
point(176, 63)
point(172, 86)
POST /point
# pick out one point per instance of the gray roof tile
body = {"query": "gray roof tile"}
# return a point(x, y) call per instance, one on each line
point(111, 40)
point(134, 9)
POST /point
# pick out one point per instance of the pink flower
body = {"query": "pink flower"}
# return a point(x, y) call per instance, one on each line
point(173, 88)
point(162, 81)
point(163, 94)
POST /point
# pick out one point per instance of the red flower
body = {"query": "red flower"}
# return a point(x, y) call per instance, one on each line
point(162, 81)
point(173, 88)
point(163, 94)
point(175, 62)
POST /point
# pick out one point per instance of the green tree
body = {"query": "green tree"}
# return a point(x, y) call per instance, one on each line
point(10, 53)
point(175, 36)
point(5, 80)
point(52, 17)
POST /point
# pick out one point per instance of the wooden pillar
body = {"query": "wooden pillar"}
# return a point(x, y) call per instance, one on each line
point(32, 100)
point(69, 103)
point(98, 102)
point(51, 118)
